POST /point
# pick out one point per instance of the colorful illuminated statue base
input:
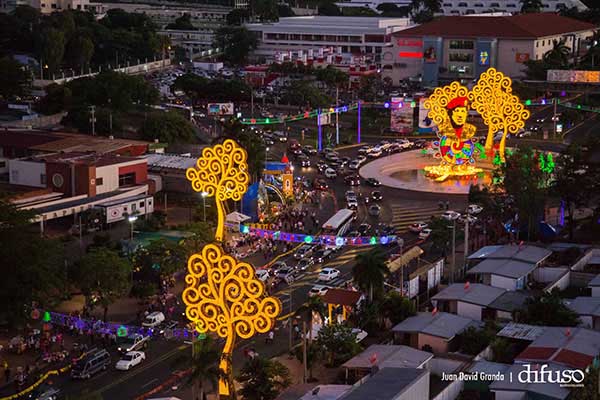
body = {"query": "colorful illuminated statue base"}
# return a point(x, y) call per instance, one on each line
point(442, 172)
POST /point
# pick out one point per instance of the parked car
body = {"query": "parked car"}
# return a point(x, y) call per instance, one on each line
point(417, 227)
point(372, 182)
point(91, 364)
point(474, 209)
point(130, 360)
point(375, 210)
point(424, 234)
point(328, 274)
point(450, 215)
point(318, 290)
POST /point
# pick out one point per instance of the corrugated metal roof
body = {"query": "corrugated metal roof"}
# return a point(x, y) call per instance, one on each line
point(170, 161)
point(441, 324)
point(514, 330)
point(388, 383)
point(475, 293)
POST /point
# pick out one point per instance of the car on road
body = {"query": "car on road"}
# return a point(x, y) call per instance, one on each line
point(364, 150)
point(304, 251)
point(352, 203)
point(322, 255)
point(463, 218)
point(424, 234)
point(417, 226)
point(352, 180)
point(344, 161)
point(376, 195)
point(278, 265)
point(330, 173)
point(362, 158)
point(375, 210)
point(318, 290)
point(474, 209)
point(92, 363)
point(268, 141)
point(350, 194)
point(322, 166)
point(374, 153)
point(404, 144)
point(130, 360)
point(303, 160)
point(167, 326)
point(363, 228)
point(372, 182)
point(287, 274)
point(309, 150)
point(153, 319)
point(281, 136)
point(262, 275)
point(44, 392)
point(450, 215)
point(304, 264)
point(133, 342)
point(354, 165)
point(321, 184)
point(332, 156)
point(328, 274)
point(297, 152)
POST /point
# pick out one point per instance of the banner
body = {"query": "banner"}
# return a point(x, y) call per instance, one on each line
point(401, 116)
point(220, 108)
point(425, 123)
point(413, 287)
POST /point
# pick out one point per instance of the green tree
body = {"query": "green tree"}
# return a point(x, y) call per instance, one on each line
point(53, 49)
point(81, 50)
point(103, 274)
point(547, 309)
point(441, 233)
point(183, 23)
point(266, 10)
point(303, 93)
point(313, 354)
point(473, 340)
point(339, 342)
point(13, 78)
point(204, 365)
point(558, 56)
point(589, 390)
point(79, 118)
point(236, 43)
point(249, 140)
point(160, 258)
point(573, 182)
point(238, 16)
point(313, 306)
point(368, 87)
point(263, 379)
point(329, 8)
point(369, 272)
point(167, 127)
point(392, 10)
point(332, 76)
point(531, 6)
point(33, 268)
point(424, 10)
point(502, 350)
point(397, 308)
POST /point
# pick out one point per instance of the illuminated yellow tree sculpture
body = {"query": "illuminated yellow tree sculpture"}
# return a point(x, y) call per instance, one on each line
point(223, 295)
point(501, 110)
point(222, 172)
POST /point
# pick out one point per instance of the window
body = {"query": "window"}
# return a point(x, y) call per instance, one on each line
point(447, 4)
point(43, 179)
point(127, 179)
point(141, 204)
point(454, 12)
point(543, 42)
point(494, 5)
point(511, 6)
point(2, 164)
point(53, 6)
point(99, 181)
point(14, 175)
point(462, 4)
point(460, 57)
point(537, 44)
point(461, 44)
point(478, 5)
point(133, 208)
point(469, 12)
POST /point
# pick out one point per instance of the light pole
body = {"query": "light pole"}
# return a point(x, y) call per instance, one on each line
point(453, 227)
point(466, 242)
point(132, 219)
point(266, 156)
point(204, 194)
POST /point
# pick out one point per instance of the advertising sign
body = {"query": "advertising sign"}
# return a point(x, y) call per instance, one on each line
point(484, 58)
point(425, 123)
point(521, 57)
point(430, 55)
point(562, 75)
point(401, 116)
point(220, 108)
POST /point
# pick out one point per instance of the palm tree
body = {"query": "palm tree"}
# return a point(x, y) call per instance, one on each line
point(204, 365)
point(263, 379)
point(531, 6)
point(307, 310)
point(559, 55)
point(369, 271)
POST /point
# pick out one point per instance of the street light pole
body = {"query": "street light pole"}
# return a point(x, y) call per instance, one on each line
point(466, 243)
point(204, 194)
point(266, 156)
point(453, 248)
point(132, 219)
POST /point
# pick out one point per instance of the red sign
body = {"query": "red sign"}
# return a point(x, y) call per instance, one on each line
point(521, 57)
point(411, 54)
point(409, 43)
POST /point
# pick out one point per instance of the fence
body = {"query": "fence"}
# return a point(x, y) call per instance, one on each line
point(38, 122)
point(451, 391)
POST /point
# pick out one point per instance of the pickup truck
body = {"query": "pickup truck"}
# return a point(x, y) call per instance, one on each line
point(133, 342)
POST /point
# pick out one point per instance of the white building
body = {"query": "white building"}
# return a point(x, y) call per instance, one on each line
point(345, 36)
point(466, 7)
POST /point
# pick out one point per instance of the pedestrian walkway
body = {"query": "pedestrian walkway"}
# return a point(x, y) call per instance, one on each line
point(403, 216)
point(347, 256)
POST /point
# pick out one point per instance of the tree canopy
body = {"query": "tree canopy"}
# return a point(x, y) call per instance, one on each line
point(13, 78)
point(263, 379)
point(167, 127)
point(236, 43)
point(547, 309)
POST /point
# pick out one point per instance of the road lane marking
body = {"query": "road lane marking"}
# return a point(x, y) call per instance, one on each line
point(150, 382)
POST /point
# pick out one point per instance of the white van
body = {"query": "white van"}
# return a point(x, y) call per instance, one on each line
point(154, 319)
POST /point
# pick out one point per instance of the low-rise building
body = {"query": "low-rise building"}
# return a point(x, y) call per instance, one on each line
point(435, 332)
point(468, 300)
point(393, 384)
point(467, 7)
point(461, 48)
point(588, 310)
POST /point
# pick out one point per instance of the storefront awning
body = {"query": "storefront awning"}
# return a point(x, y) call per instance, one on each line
point(404, 259)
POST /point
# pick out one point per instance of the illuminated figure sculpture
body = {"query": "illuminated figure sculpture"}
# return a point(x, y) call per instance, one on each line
point(223, 295)
point(449, 109)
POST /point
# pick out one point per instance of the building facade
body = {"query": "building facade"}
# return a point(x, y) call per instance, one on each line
point(467, 7)
point(347, 37)
point(461, 48)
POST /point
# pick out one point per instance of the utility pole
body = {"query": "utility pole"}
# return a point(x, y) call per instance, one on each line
point(291, 320)
point(452, 271)
point(110, 115)
point(304, 351)
point(93, 119)
point(252, 102)
point(466, 243)
point(337, 115)
point(555, 101)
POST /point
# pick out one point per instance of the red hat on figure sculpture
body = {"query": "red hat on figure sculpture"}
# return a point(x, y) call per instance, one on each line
point(457, 102)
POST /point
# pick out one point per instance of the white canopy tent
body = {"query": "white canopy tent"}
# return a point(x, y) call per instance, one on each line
point(234, 219)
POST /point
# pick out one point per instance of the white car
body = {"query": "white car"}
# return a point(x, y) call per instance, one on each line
point(318, 290)
point(375, 153)
point(130, 360)
point(417, 227)
point(472, 219)
point(352, 203)
point(354, 164)
point(404, 143)
point(262, 274)
point(450, 215)
point(474, 209)
point(328, 274)
point(330, 173)
point(424, 234)
point(361, 158)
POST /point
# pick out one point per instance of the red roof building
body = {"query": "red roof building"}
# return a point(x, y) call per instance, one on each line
point(462, 47)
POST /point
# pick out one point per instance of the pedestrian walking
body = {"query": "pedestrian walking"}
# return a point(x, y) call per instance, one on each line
point(270, 336)
point(447, 205)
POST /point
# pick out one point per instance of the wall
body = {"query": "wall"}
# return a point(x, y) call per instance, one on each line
point(439, 365)
point(507, 53)
point(509, 395)
point(469, 310)
point(585, 259)
point(85, 180)
point(561, 283)
point(140, 207)
point(587, 321)
point(139, 168)
point(431, 68)
point(547, 275)
point(439, 345)
point(418, 390)
point(26, 173)
point(596, 292)
point(503, 282)
point(63, 170)
point(451, 391)
point(402, 67)
point(110, 178)
point(39, 122)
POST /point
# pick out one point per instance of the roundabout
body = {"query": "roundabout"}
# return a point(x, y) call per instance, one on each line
point(406, 171)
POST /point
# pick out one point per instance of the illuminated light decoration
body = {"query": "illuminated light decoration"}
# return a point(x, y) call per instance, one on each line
point(345, 109)
point(322, 239)
point(339, 241)
point(307, 115)
point(122, 331)
point(386, 105)
point(267, 121)
point(413, 104)
point(410, 54)
point(224, 296)
point(499, 108)
point(543, 102)
point(245, 229)
point(222, 172)
point(527, 102)
point(46, 317)
point(373, 240)
point(384, 240)
point(546, 163)
point(308, 239)
point(253, 121)
point(331, 110)
point(497, 160)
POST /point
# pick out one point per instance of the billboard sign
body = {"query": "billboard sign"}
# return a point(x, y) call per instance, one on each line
point(567, 75)
point(425, 123)
point(401, 116)
point(220, 108)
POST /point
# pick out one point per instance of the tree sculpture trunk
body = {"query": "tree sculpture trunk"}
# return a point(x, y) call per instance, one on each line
point(502, 145)
point(219, 233)
point(489, 141)
point(225, 383)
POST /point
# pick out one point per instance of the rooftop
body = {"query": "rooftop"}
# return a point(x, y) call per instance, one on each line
point(169, 161)
point(440, 324)
point(547, 390)
point(521, 26)
point(393, 356)
point(514, 330)
point(326, 392)
point(584, 305)
point(86, 158)
point(506, 268)
point(387, 384)
point(474, 293)
point(341, 297)
point(335, 25)
point(510, 301)
point(595, 281)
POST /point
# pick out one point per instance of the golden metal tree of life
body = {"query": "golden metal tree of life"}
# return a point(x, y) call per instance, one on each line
point(224, 295)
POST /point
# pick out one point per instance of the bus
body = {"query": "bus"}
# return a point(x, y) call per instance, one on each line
point(339, 223)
